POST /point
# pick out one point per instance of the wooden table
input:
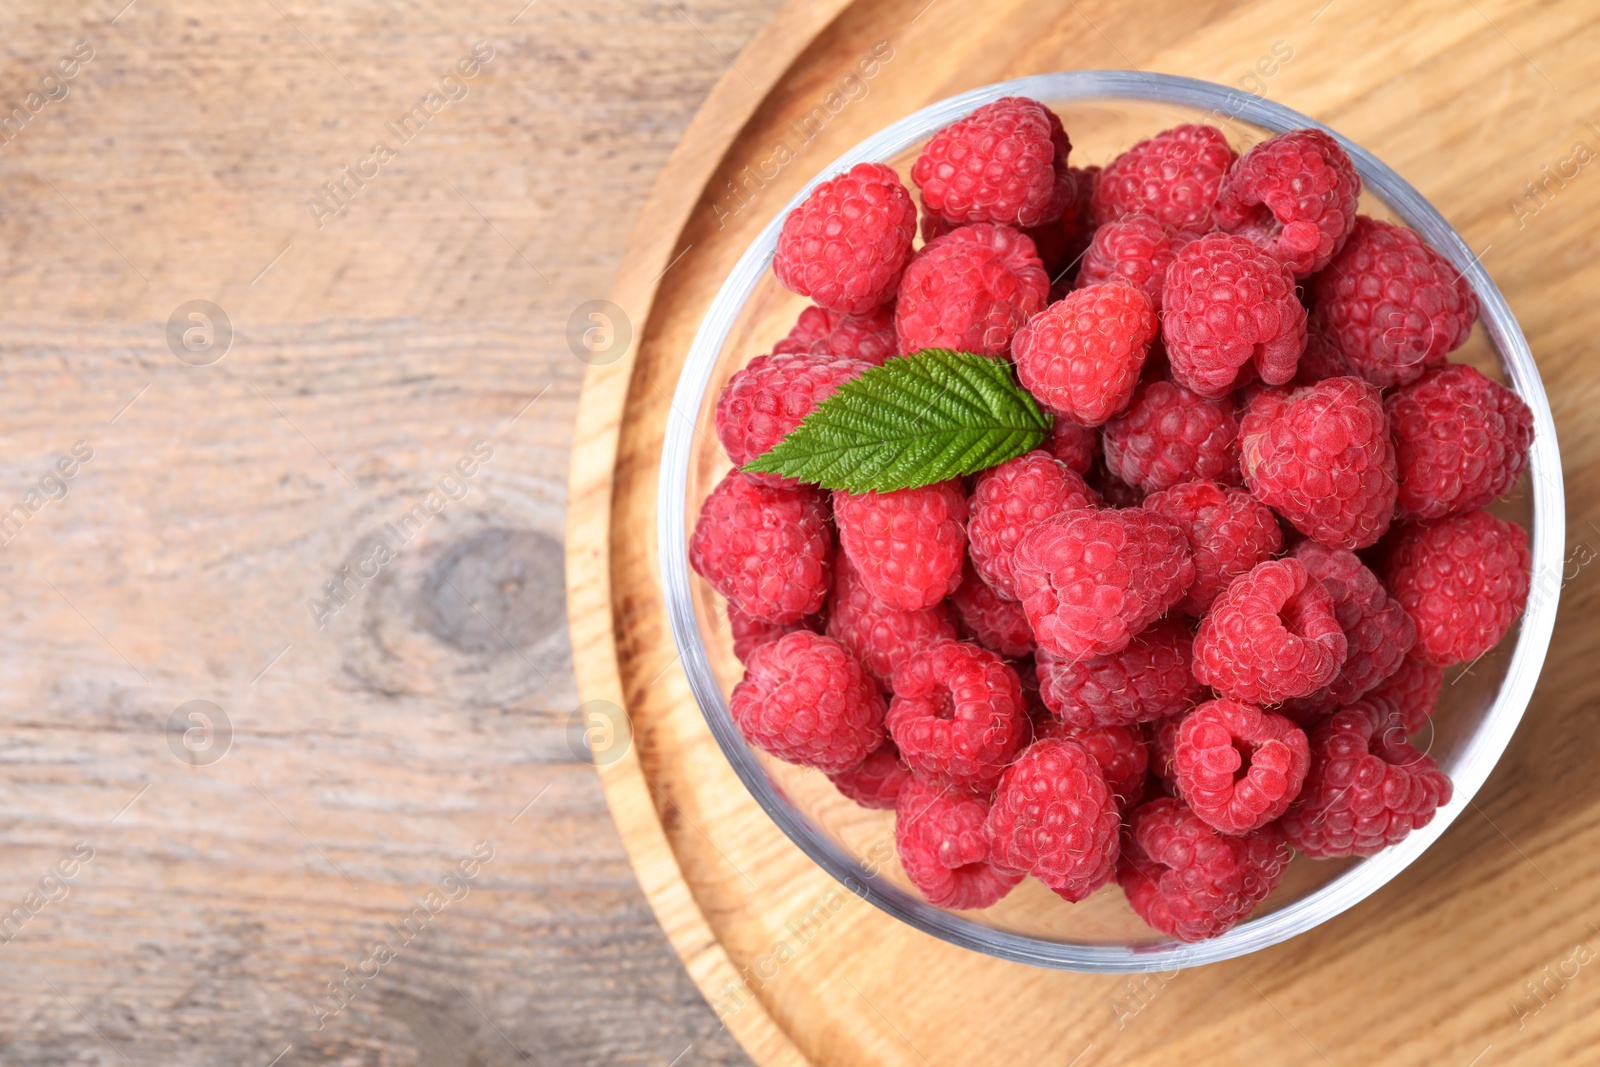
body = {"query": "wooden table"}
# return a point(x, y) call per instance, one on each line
point(1482, 953)
point(212, 901)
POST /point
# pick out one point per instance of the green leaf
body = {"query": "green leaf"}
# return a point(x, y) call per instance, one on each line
point(916, 420)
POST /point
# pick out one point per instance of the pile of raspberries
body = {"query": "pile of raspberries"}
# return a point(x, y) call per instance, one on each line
point(1197, 628)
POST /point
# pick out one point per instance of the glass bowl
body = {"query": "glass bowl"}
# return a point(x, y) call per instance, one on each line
point(1104, 112)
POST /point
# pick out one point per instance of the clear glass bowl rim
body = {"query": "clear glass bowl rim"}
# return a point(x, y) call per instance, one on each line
point(1483, 749)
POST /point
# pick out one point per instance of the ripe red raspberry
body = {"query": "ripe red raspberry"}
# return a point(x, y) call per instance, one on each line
point(906, 545)
point(1239, 767)
point(806, 700)
point(1174, 176)
point(1270, 636)
point(820, 332)
point(880, 636)
point(1082, 355)
point(1119, 751)
point(767, 550)
point(1170, 435)
point(1055, 818)
point(1113, 491)
point(939, 833)
point(772, 395)
point(999, 625)
point(1376, 628)
point(750, 633)
point(996, 165)
point(1368, 787)
point(1230, 311)
point(1295, 196)
point(876, 782)
point(1150, 679)
point(847, 243)
point(1392, 304)
point(1091, 580)
point(957, 714)
point(1414, 691)
point(1136, 250)
point(1229, 531)
point(1463, 580)
point(1322, 458)
point(970, 290)
point(1073, 443)
point(1008, 501)
point(1189, 881)
point(1460, 440)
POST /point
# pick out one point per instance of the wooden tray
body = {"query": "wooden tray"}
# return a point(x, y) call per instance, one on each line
point(1479, 953)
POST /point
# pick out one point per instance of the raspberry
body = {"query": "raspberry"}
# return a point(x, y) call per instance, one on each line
point(1463, 580)
point(876, 782)
point(1091, 580)
point(1295, 196)
point(1413, 690)
point(1119, 751)
point(767, 550)
point(1368, 787)
point(847, 243)
point(880, 636)
point(1230, 310)
point(1008, 501)
point(1174, 176)
point(750, 633)
point(1189, 881)
point(1321, 457)
point(998, 625)
point(970, 290)
point(1376, 628)
point(1270, 636)
point(1055, 818)
point(1238, 767)
point(996, 165)
point(957, 714)
point(906, 545)
point(1135, 249)
point(770, 397)
point(820, 332)
point(1082, 355)
point(1460, 441)
point(939, 834)
point(806, 700)
point(1392, 304)
point(1148, 680)
point(1229, 532)
point(1073, 443)
point(1113, 491)
point(1170, 435)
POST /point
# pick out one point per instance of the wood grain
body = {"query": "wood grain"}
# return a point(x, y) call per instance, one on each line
point(370, 354)
point(1468, 102)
